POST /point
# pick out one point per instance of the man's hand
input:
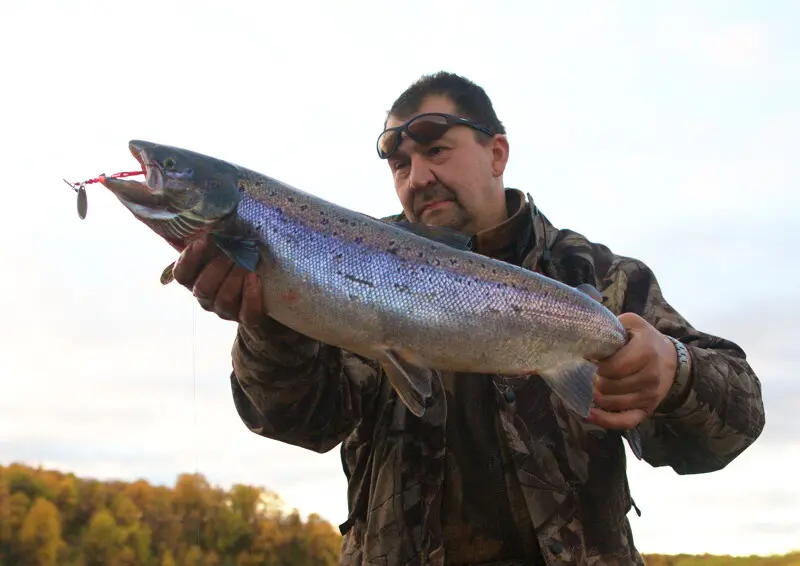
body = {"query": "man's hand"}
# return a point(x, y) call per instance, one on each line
point(636, 378)
point(219, 285)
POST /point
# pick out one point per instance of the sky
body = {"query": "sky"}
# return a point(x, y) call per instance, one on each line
point(669, 134)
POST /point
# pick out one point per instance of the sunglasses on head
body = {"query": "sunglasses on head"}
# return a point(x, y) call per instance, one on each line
point(423, 129)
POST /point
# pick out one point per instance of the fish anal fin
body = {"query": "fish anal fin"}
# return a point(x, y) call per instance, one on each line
point(573, 383)
point(412, 383)
point(243, 251)
point(447, 236)
point(591, 291)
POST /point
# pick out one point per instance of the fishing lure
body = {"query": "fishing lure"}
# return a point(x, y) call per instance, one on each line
point(80, 188)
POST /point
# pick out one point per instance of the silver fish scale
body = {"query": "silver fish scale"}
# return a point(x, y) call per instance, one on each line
point(353, 284)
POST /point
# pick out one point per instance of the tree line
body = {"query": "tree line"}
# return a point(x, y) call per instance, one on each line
point(50, 518)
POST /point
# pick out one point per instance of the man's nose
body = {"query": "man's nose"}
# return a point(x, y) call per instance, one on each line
point(421, 174)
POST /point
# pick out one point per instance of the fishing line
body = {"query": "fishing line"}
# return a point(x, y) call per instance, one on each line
point(194, 407)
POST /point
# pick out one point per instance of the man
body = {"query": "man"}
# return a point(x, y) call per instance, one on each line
point(496, 471)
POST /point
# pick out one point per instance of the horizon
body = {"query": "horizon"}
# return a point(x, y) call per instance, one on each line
point(669, 135)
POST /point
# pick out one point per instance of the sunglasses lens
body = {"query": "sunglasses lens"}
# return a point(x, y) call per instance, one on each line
point(426, 129)
point(388, 142)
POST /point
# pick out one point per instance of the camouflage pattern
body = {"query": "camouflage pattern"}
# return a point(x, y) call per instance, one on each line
point(433, 490)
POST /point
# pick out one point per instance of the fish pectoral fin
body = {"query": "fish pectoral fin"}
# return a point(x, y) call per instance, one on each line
point(243, 251)
point(412, 383)
point(447, 236)
point(591, 291)
point(574, 384)
point(634, 438)
point(167, 276)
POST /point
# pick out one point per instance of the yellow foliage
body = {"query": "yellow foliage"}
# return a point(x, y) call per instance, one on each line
point(48, 518)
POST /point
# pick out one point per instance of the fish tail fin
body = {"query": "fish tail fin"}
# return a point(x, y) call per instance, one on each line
point(634, 438)
point(573, 383)
point(412, 383)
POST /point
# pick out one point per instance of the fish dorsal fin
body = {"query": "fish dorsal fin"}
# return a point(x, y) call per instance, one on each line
point(447, 236)
point(591, 291)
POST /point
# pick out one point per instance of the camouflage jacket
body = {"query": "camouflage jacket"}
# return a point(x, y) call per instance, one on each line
point(571, 474)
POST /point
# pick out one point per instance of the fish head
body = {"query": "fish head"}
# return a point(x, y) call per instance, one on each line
point(184, 195)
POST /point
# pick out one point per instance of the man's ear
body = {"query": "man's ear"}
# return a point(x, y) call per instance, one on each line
point(499, 149)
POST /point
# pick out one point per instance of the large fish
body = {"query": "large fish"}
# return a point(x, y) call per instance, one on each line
point(413, 298)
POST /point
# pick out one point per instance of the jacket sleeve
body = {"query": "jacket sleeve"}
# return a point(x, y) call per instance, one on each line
point(714, 414)
point(291, 388)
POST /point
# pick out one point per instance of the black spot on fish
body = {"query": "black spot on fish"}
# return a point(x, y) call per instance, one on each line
point(361, 281)
point(516, 308)
point(353, 297)
point(273, 193)
point(393, 251)
point(325, 221)
point(358, 239)
point(278, 210)
point(290, 199)
point(303, 206)
point(338, 257)
point(400, 287)
point(420, 254)
point(352, 223)
point(453, 261)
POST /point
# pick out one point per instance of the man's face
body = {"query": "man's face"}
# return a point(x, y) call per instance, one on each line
point(455, 181)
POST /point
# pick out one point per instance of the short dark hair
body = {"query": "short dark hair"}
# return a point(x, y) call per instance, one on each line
point(470, 100)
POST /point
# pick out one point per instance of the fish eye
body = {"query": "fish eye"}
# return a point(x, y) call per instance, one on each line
point(170, 162)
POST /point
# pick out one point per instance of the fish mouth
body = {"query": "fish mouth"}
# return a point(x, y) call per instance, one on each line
point(142, 198)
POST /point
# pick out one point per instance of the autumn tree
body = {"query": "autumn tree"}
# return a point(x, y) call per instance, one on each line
point(39, 542)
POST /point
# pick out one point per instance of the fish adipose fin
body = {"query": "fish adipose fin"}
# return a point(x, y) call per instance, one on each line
point(243, 251)
point(412, 383)
point(574, 385)
point(447, 236)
